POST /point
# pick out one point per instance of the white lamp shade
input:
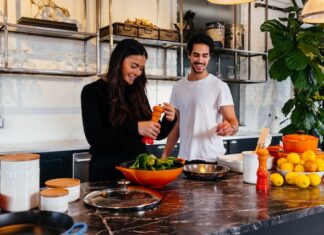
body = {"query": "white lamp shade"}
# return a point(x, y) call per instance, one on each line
point(229, 2)
point(313, 11)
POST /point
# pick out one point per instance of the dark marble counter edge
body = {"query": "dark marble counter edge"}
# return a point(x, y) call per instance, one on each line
point(274, 220)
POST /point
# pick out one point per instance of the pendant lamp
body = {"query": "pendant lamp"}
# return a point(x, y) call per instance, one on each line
point(313, 11)
point(229, 2)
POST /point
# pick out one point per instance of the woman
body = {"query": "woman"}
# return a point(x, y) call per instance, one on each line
point(116, 113)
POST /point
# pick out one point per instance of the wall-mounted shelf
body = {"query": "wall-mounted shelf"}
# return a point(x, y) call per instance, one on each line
point(243, 53)
point(50, 32)
point(163, 78)
point(145, 42)
point(154, 77)
point(46, 72)
point(8, 28)
point(242, 81)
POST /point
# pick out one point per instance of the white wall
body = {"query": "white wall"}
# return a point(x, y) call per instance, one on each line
point(261, 103)
point(46, 108)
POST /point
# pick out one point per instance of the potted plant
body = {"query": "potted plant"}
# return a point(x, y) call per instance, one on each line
point(298, 54)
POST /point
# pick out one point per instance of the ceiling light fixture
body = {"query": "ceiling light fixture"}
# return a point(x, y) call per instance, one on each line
point(229, 2)
point(313, 12)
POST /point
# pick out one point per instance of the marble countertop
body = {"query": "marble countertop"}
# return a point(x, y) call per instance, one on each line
point(82, 144)
point(228, 206)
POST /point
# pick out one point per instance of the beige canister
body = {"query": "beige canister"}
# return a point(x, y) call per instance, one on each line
point(217, 32)
point(19, 182)
point(234, 36)
point(71, 184)
point(54, 199)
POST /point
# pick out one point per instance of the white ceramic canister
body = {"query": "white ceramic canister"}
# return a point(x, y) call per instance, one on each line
point(71, 184)
point(19, 182)
point(250, 166)
point(54, 199)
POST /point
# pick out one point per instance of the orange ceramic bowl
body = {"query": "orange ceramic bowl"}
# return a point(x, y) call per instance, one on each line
point(150, 178)
point(299, 143)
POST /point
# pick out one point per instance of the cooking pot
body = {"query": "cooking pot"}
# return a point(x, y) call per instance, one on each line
point(39, 222)
point(151, 178)
point(299, 143)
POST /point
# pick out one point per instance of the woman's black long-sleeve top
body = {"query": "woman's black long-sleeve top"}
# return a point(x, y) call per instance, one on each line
point(105, 139)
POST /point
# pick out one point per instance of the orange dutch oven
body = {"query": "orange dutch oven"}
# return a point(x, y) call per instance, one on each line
point(299, 143)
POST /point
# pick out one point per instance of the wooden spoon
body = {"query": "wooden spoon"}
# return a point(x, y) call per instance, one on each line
point(262, 138)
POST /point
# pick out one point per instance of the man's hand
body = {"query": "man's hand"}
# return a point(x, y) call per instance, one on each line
point(226, 128)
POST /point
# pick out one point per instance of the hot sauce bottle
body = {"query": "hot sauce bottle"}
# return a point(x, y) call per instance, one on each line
point(156, 115)
point(262, 172)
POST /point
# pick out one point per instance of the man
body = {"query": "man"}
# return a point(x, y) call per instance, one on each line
point(204, 106)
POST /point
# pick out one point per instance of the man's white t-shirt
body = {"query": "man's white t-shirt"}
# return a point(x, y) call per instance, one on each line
point(199, 105)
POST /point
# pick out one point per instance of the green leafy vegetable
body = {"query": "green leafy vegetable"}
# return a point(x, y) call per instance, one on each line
point(147, 161)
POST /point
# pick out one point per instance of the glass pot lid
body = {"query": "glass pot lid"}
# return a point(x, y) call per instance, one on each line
point(128, 198)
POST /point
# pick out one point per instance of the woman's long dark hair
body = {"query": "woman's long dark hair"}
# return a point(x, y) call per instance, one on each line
point(132, 106)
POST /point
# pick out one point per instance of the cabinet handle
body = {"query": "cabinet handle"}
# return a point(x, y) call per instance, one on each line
point(78, 160)
point(233, 142)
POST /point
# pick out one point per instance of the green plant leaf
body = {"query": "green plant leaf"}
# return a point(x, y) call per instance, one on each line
point(279, 71)
point(280, 38)
point(297, 116)
point(319, 74)
point(289, 129)
point(308, 49)
point(300, 80)
point(309, 120)
point(296, 60)
point(288, 106)
point(273, 26)
point(280, 50)
point(293, 24)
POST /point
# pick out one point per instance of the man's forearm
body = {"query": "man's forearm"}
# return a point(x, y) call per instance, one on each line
point(171, 140)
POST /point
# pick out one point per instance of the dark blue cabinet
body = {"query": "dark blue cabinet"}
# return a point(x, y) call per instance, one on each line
point(55, 165)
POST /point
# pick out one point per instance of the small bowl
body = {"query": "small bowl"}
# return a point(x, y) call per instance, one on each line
point(284, 173)
point(205, 171)
point(150, 178)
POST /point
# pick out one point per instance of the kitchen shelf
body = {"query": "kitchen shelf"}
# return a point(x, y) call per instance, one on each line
point(46, 72)
point(243, 81)
point(145, 42)
point(7, 28)
point(154, 77)
point(50, 32)
point(163, 78)
point(243, 53)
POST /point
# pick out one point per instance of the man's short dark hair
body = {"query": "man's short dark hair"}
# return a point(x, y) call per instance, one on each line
point(200, 38)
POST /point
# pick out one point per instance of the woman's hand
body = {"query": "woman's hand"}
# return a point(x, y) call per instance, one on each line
point(169, 111)
point(149, 129)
